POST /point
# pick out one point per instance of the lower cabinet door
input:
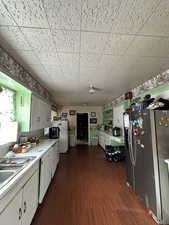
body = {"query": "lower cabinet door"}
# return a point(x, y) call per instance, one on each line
point(45, 175)
point(30, 199)
point(13, 213)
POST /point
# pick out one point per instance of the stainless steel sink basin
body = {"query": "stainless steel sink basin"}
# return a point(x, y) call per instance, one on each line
point(10, 167)
point(5, 176)
point(14, 161)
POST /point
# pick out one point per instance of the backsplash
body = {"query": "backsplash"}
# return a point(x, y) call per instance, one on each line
point(38, 133)
point(4, 148)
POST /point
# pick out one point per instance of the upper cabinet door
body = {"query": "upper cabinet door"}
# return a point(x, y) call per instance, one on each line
point(40, 114)
point(35, 114)
point(30, 199)
point(12, 215)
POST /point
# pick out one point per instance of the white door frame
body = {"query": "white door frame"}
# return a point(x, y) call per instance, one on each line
point(88, 126)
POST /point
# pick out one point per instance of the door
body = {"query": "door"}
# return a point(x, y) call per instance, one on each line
point(54, 158)
point(35, 113)
point(30, 199)
point(12, 215)
point(149, 196)
point(162, 143)
point(82, 128)
point(45, 175)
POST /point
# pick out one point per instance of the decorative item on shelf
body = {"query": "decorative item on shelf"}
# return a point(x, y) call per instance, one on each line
point(64, 115)
point(72, 112)
point(93, 114)
point(93, 120)
point(56, 118)
point(128, 95)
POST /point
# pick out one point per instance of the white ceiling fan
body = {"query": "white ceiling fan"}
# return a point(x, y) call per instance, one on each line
point(92, 89)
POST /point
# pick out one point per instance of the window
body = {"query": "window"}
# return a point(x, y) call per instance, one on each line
point(7, 105)
point(8, 125)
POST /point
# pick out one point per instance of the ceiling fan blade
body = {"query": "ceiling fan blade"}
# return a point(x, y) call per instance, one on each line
point(97, 89)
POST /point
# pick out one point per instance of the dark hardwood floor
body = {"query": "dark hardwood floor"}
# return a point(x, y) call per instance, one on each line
point(87, 190)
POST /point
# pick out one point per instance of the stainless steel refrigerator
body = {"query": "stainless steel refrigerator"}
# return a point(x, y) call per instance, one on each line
point(147, 173)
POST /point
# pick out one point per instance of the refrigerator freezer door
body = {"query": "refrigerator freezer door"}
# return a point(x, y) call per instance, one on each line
point(162, 135)
point(149, 195)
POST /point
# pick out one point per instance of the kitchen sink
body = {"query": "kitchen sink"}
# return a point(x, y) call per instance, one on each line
point(10, 167)
point(14, 161)
point(5, 176)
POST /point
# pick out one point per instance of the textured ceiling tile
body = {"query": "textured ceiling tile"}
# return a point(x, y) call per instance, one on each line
point(94, 76)
point(12, 38)
point(64, 14)
point(158, 24)
point(52, 68)
point(49, 57)
point(93, 42)
point(40, 39)
point(66, 41)
point(132, 15)
point(5, 17)
point(90, 60)
point(117, 44)
point(29, 13)
point(109, 61)
point(71, 72)
point(69, 59)
point(149, 46)
point(98, 15)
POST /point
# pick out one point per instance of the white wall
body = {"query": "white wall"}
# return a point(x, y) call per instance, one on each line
point(163, 94)
point(82, 109)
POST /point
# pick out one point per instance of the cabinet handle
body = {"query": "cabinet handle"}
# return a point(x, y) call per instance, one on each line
point(25, 207)
point(20, 213)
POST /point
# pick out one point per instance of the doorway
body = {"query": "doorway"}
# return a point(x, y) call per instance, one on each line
point(82, 129)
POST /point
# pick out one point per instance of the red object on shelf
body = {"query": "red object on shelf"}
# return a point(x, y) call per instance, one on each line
point(128, 95)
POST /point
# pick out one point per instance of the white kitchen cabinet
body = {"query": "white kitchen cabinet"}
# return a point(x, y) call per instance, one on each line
point(13, 213)
point(45, 174)
point(55, 158)
point(30, 199)
point(40, 114)
point(35, 113)
point(47, 169)
point(102, 139)
point(22, 207)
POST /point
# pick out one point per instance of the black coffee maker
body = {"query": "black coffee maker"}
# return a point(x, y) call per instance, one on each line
point(54, 132)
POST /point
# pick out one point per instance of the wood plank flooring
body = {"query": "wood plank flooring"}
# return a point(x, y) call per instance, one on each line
point(87, 190)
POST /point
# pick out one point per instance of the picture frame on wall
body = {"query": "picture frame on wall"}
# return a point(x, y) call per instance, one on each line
point(72, 112)
point(56, 118)
point(93, 114)
point(93, 120)
point(64, 115)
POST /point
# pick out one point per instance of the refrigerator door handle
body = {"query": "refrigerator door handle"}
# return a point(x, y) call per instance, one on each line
point(130, 140)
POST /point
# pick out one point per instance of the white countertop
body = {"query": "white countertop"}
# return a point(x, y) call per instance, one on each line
point(37, 152)
point(40, 149)
point(118, 139)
